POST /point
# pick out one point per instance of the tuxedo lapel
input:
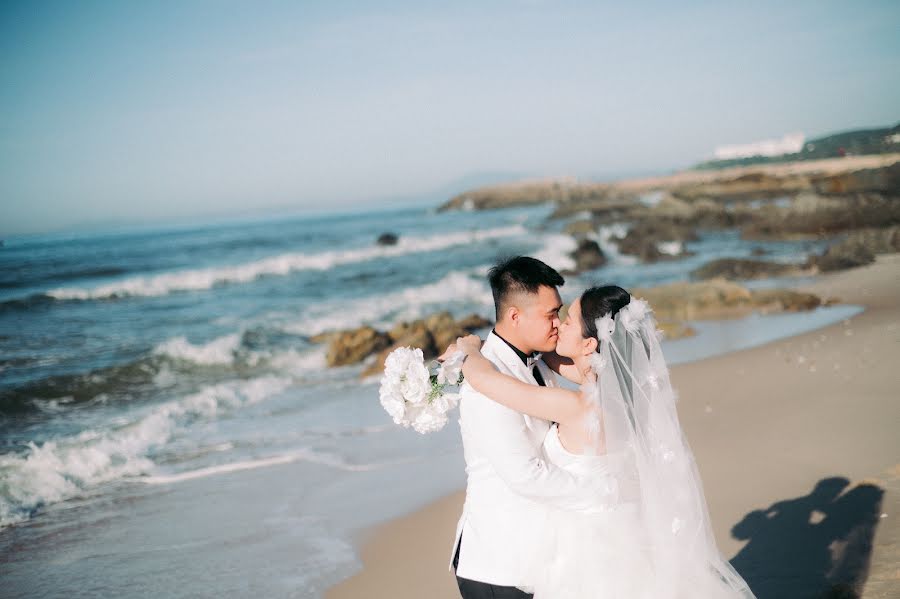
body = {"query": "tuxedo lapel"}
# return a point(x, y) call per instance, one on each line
point(497, 351)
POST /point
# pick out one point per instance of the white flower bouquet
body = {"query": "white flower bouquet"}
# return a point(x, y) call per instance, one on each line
point(413, 395)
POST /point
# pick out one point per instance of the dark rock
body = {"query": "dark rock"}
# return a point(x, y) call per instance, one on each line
point(718, 298)
point(815, 216)
point(858, 249)
point(417, 337)
point(675, 329)
point(843, 256)
point(741, 269)
point(444, 329)
point(474, 322)
point(784, 300)
point(387, 239)
point(350, 347)
point(432, 335)
point(588, 256)
point(884, 179)
point(643, 239)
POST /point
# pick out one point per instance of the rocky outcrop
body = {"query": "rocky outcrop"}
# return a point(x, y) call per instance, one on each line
point(587, 256)
point(605, 206)
point(718, 298)
point(562, 190)
point(743, 269)
point(858, 249)
point(813, 215)
point(580, 228)
point(673, 329)
point(704, 191)
point(432, 335)
point(353, 346)
point(649, 240)
point(885, 179)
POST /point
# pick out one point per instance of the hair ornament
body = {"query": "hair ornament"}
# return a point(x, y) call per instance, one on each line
point(605, 327)
point(633, 315)
point(598, 362)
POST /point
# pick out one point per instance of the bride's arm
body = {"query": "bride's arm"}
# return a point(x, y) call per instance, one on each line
point(562, 366)
point(549, 403)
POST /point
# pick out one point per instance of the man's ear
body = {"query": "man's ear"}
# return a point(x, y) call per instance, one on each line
point(513, 314)
point(590, 346)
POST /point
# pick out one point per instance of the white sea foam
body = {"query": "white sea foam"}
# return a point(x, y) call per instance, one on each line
point(283, 264)
point(556, 251)
point(223, 351)
point(218, 351)
point(65, 467)
point(295, 362)
point(403, 304)
point(604, 236)
point(672, 248)
point(302, 455)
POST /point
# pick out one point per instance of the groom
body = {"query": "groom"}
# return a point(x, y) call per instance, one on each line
point(509, 483)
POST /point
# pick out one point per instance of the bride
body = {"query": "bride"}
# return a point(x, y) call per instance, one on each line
point(648, 532)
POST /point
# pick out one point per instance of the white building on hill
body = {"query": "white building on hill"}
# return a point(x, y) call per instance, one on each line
point(789, 144)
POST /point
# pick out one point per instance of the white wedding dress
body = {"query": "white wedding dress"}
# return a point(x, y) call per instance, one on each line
point(594, 554)
point(606, 553)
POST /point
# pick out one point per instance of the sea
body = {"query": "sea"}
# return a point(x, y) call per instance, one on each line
point(168, 429)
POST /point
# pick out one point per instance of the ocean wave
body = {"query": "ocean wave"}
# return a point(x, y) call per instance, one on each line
point(59, 469)
point(284, 264)
point(304, 455)
point(230, 350)
point(404, 304)
point(168, 363)
point(218, 351)
point(556, 250)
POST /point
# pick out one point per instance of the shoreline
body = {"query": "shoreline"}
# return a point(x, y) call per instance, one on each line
point(823, 409)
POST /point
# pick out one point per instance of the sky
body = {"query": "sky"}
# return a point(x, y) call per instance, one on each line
point(129, 112)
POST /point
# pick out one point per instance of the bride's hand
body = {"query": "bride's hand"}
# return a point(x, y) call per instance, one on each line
point(468, 345)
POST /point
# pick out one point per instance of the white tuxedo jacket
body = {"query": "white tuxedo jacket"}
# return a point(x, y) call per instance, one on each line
point(509, 482)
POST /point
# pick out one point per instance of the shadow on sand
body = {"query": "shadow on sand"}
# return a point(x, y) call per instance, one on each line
point(815, 546)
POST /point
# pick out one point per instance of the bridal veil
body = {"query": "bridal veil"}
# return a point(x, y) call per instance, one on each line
point(638, 424)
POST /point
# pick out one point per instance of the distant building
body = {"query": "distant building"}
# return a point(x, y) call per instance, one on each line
point(789, 144)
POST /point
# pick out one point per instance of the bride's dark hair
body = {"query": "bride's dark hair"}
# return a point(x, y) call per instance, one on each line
point(597, 301)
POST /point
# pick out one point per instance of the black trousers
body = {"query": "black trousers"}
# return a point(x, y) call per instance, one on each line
point(473, 589)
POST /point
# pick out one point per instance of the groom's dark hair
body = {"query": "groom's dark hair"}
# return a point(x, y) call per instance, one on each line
point(517, 275)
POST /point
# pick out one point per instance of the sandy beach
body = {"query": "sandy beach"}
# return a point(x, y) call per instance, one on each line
point(808, 423)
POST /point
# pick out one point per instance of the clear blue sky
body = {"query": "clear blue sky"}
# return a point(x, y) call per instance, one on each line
point(136, 111)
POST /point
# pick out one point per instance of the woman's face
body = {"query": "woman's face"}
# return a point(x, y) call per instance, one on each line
point(571, 342)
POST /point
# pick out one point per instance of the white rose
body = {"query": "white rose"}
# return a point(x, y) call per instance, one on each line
point(392, 402)
point(451, 368)
point(415, 383)
point(398, 361)
point(428, 420)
